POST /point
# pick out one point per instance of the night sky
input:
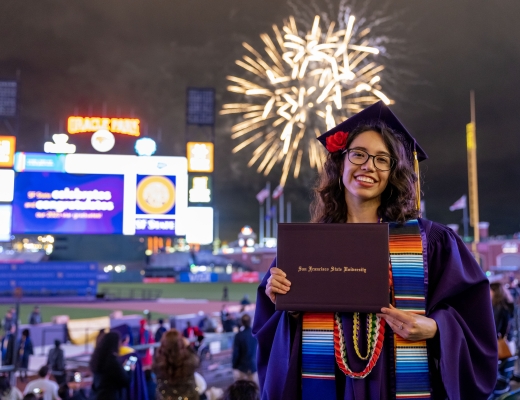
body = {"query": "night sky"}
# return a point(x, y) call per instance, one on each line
point(137, 57)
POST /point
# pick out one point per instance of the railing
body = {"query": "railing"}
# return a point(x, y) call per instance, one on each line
point(60, 329)
point(130, 294)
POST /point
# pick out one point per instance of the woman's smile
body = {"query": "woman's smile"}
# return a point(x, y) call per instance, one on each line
point(365, 180)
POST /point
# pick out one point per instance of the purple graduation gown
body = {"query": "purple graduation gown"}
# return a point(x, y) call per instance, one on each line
point(462, 356)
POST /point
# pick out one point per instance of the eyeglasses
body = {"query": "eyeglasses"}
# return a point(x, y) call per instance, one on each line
point(360, 157)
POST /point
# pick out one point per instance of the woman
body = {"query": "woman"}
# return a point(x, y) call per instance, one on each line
point(174, 365)
point(25, 350)
point(502, 308)
point(110, 378)
point(7, 392)
point(369, 177)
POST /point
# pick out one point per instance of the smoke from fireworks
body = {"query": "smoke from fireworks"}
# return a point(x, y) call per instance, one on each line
point(305, 84)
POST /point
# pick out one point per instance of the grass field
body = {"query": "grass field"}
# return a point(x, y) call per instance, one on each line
point(210, 291)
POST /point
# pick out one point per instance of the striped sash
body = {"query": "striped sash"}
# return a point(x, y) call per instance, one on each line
point(318, 360)
point(411, 360)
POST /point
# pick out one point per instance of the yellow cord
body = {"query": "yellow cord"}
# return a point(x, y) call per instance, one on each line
point(418, 182)
point(355, 337)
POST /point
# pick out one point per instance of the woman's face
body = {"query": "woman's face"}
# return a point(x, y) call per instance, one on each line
point(365, 182)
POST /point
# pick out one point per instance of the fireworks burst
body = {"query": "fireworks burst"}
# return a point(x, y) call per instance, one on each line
point(306, 83)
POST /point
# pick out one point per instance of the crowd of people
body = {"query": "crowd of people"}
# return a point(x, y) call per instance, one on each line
point(120, 372)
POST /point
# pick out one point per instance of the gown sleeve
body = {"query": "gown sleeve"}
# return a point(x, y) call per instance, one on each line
point(465, 347)
point(278, 335)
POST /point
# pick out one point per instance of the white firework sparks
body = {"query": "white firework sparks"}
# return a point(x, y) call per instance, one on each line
point(307, 83)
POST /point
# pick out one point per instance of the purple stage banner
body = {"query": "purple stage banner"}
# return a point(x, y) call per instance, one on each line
point(48, 202)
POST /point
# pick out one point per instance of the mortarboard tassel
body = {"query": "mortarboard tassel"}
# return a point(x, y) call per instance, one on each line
point(418, 182)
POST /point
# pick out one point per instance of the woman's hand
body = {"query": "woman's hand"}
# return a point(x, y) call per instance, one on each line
point(408, 325)
point(277, 284)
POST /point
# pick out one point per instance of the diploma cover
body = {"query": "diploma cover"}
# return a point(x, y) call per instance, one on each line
point(334, 267)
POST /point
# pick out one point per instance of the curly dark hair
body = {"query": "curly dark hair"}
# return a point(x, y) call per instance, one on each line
point(398, 202)
point(242, 390)
point(174, 360)
point(107, 346)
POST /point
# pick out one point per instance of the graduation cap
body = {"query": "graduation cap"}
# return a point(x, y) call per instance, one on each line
point(377, 112)
point(336, 138)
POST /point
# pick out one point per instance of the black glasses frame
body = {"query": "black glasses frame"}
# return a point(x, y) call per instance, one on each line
point(392, 161)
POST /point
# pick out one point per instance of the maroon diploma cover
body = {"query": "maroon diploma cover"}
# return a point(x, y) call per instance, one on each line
point(334, 267)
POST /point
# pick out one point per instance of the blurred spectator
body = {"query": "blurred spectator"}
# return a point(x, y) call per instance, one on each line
point(8, 346)
point(223, 313)
point(43, 385)
point(503, 308)
point(7, 392)
point(12, 310)
point(110, 378)
point(174, 365)
point(189, 331)
point(30, 396)
point(125, 349)
point(207, 324)
point(8, 321)
point(242, 390)
point(56, 363)
point(66, 392)
point(160, 331)
point(25, 350)
point(145, 337)
point(244, 353)
point(228, 324)
point(35, 318)
point(151, 383)
point(137, 389)
point(225, 293)
point(245, 300)
point(194, 335)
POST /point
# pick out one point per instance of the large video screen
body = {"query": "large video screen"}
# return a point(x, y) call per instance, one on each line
point(47, 202)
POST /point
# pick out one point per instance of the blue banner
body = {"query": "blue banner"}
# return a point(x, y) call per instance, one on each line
point(50, 278)
point(39, 162)
point(202, 277)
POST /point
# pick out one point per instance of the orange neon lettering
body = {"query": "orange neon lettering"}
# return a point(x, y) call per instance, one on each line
point(74, 124)
point(124, 126)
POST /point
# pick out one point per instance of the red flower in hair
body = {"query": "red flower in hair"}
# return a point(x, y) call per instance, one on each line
point(336, 142)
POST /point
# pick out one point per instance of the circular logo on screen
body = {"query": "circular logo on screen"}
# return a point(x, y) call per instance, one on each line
point(103, 140)
point(155, 195)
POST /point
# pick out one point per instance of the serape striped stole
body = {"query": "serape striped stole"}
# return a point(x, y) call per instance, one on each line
point(411, 359)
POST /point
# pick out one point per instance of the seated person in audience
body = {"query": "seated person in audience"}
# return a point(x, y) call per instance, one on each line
point(160, 330)
point(125, 349)
point(7, 392)
point(43, 385)
point(242, 390)
point(67, 392)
